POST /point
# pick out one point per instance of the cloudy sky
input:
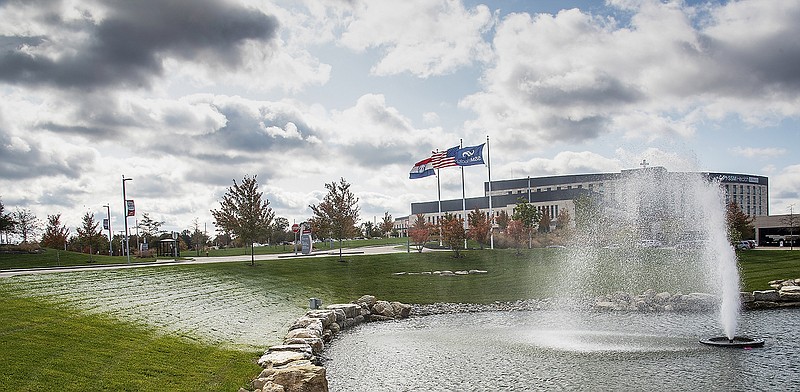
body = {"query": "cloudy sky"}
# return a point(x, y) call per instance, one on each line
point(184, 96)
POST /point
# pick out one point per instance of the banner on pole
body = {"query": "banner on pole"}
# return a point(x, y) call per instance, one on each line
point(130, 207)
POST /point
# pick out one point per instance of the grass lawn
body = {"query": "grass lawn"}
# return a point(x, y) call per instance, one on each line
point(760, 266)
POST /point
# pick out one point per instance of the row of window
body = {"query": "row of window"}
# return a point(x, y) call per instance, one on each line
point(742, 189)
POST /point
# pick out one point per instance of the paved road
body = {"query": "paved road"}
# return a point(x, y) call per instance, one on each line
point(370, 250)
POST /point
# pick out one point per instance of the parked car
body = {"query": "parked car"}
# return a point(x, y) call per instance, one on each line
point(743, 245)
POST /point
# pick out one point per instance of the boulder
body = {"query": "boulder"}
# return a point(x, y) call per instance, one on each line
point(383, 308)
point(766, 295)
point(377, 317)
point(367, 299)
point(316, 344)
point(280, 358)
point(309, 323)
point(307, 378)
point(746, 297)
point(700, 301)
point(304, 333)
point(789, 293)
point(401, 310)
point(298, 347)
point(350, 310)
point(663, 297)
point(326, 316)
point(264, 385)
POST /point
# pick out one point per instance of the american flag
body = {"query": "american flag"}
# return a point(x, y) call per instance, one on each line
point(441, 159)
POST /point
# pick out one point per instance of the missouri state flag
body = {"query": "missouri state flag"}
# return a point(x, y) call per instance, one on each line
point(422, 169)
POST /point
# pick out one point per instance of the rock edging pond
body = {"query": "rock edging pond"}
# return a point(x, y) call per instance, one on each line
point(295, 366)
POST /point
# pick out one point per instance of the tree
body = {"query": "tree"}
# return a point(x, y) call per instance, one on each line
point(517, 233)
point(26, 224)
point(55, 234)
point(244, 214)
point(149, 227)
point(279, 231)
point(368, 229)
point(563, 219)
point(528, 216)
point(387, 225)
point(419, 233)
point(544, 223)
point(89, 234)
point(791, 222)
point(453, 233)
point(740, 226)
point(337, 214)
point(478, 227)
point(502, 220)
point(198, 238)
point(6, 222)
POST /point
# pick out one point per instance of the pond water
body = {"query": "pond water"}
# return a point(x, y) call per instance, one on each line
point(550, 350)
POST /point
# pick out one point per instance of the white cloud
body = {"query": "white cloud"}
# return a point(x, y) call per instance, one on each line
point(423, 37)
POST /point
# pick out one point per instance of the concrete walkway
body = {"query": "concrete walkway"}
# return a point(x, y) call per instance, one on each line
point(369, 250)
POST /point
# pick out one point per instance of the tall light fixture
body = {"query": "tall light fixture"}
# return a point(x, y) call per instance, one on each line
point(125, 214)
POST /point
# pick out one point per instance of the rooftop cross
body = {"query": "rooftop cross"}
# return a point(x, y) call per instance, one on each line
point(644, 164)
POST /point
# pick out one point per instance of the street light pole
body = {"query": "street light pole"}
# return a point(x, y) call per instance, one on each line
point(110, 237)
point(125, 214)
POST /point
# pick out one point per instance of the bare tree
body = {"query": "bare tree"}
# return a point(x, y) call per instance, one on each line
point(244, 214)
point(337, 213)
point(149, 227)
point(26, 224)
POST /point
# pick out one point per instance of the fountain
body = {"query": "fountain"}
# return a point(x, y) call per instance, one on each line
point(657, 230)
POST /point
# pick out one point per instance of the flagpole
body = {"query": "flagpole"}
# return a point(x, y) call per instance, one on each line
point(463, 196)
point(439, 218)
point(491, 213)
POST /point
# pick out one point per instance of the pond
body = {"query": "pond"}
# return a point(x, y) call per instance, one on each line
point(552, 350)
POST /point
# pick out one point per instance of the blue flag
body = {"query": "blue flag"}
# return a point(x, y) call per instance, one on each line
point(469, 156)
